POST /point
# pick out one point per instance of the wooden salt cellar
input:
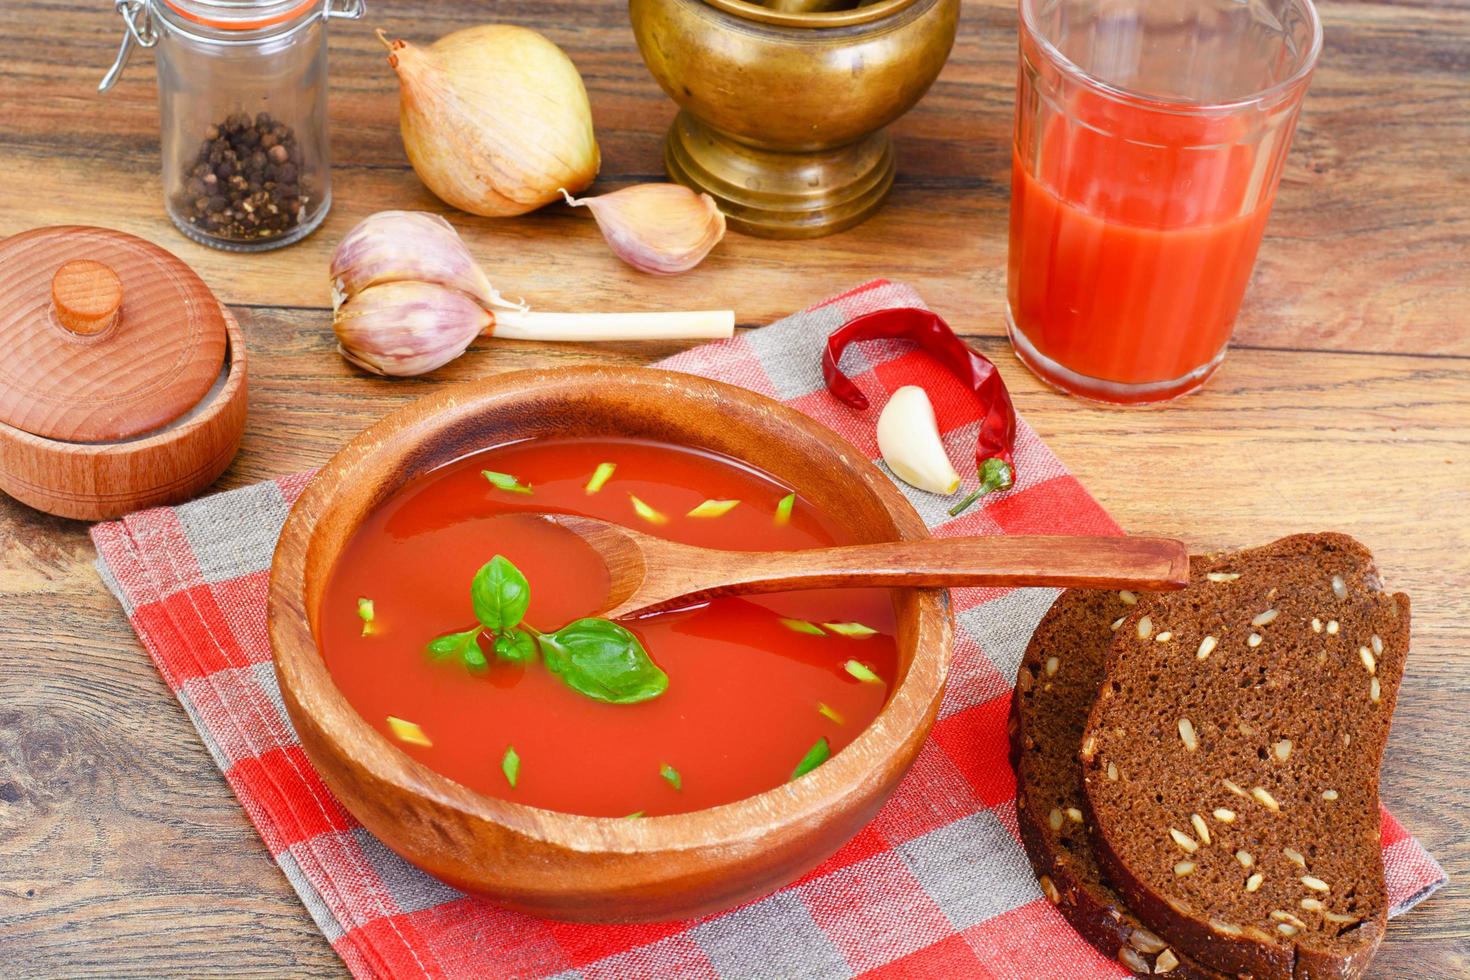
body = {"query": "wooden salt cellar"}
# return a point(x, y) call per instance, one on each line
point(122, 378)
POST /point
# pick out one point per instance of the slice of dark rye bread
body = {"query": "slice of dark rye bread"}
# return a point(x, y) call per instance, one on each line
point(1055, 688)
point(1230, 763)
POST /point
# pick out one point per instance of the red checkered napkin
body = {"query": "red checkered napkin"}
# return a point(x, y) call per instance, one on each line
point(936, 885)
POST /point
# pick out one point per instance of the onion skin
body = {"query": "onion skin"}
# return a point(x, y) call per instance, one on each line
point(495, 119)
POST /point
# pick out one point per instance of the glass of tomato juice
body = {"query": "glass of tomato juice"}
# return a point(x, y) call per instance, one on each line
point(1150, 136)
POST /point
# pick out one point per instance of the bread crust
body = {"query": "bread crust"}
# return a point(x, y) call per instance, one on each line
point(1160, 900)
point(1079, 622)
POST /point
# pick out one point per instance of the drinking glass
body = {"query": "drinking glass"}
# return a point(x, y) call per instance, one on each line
point(1150, 137)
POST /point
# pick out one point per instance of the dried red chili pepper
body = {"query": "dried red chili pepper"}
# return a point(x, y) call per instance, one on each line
point(993, 460)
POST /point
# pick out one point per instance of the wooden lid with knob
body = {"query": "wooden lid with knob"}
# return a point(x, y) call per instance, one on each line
point(106, 336)
point(86, 296)
point(122, 378)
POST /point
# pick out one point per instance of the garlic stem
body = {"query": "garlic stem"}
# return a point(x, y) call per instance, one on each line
point(694, 325)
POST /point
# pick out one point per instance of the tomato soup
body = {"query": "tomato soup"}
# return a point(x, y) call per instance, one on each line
point(757, 689)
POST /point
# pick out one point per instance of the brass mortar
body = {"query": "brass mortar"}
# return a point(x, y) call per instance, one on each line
point(783, 114)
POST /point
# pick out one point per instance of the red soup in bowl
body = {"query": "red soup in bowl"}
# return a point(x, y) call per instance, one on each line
point(754, 737)
point(750, 692)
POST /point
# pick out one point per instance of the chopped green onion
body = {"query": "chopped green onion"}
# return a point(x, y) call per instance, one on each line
point(862, 672)
point(365, 613)
point(504, 481)
point(636, 814)
point(713, 508)
point(802, 626)
point(510, 764)
point(671, 776)
point(855, 630)
point(600, 476)
point(783, 509)
point(648, 513)
point(830, 713)
point(814, 757)
point(407, 731)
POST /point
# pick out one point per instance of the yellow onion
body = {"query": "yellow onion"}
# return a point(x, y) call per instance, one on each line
point(495, 119)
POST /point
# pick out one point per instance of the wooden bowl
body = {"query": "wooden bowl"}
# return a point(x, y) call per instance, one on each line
point(582, 868)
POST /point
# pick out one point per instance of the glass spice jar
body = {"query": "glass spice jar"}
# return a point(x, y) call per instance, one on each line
point(242, 94)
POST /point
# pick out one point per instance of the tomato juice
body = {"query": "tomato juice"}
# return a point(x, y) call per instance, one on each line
point(753, 683)
point(1129, 259)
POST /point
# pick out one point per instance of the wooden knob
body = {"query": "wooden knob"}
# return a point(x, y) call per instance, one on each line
point(86, 296)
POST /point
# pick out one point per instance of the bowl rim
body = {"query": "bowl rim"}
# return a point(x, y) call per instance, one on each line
point(305, 680)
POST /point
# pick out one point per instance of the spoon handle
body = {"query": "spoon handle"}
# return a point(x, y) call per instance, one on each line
point(1009, 560)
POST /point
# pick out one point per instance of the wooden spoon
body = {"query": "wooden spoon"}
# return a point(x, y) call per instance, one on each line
point(649, 574)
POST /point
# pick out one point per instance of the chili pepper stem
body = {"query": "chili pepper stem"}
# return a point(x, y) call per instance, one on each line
point(995, 474)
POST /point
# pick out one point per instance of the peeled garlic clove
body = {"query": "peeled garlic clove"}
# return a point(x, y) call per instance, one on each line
point(409, 246)
point(494, 118)
point(407, 328)
point(659, 228)
point(908, 438)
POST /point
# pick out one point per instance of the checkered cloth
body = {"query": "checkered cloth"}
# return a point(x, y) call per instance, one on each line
point(936, 885)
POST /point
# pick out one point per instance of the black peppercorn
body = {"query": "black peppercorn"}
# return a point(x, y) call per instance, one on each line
point(244, 182)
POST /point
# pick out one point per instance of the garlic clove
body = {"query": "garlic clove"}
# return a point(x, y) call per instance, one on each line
point(659, 228)
point(407, 328)
point(409, 246)
point(908, 438)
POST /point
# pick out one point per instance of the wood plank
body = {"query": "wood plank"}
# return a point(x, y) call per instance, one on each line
point(122, 852)
point(1369, 248)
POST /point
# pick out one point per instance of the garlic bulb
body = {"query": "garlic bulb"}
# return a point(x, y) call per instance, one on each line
point(495, 119)
point(659, 228)
point(407, 328)
point(908, 438)
point(408, 297)
point(403, 246)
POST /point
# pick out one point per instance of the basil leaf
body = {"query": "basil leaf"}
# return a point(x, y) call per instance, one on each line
point(671, 776)
point(515, 646)
point(455, 645)
point(814, 757)
point(603, 661)
point(500, 594)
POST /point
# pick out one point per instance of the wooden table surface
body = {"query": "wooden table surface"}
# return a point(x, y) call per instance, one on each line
point(1344, 404)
